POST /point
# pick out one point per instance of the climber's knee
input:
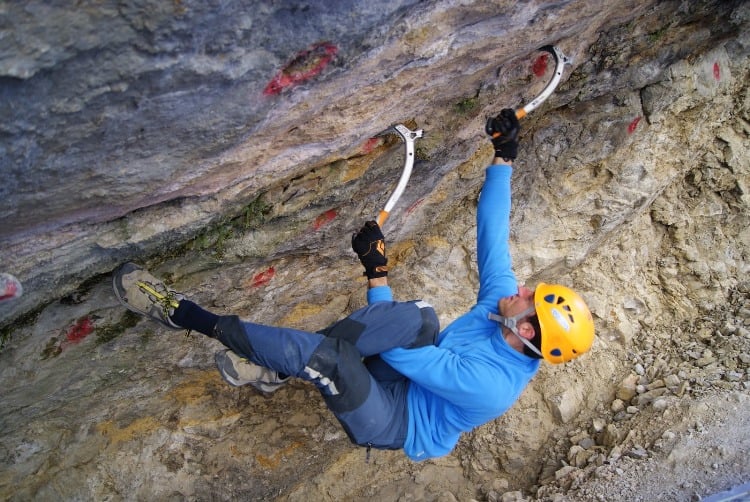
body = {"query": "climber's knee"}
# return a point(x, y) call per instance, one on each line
point(430, 325)
point(337, 370)
point(230, 331)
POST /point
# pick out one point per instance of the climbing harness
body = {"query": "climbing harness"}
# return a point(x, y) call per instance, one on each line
point(408, 136)
point(560, 61)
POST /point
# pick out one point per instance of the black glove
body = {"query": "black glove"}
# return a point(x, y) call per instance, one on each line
point(369, 244)
point(504, 131)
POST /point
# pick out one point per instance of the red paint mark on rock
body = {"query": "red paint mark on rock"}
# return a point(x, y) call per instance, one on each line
point(79, 330)
point(370, 145)
point(10, 291)
point(305, 65)
point(414, 206)
point(263, 278)
point(717, 71)
point(325, 218)
point(10, 287)
point(633, 125)
point(540, 65)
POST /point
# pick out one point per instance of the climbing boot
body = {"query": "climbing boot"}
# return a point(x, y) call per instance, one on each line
point(144, 294)
point(238, 371)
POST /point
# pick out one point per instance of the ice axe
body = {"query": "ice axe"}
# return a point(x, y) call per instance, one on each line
point(408, 136)
point(560, 61)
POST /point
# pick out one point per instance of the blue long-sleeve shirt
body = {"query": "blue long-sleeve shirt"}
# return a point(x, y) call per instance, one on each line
point(471, 375)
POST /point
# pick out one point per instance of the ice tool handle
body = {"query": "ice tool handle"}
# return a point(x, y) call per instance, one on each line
point(408, 136)
point(560, 61)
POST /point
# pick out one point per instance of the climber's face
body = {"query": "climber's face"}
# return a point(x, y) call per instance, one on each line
point(512, 305)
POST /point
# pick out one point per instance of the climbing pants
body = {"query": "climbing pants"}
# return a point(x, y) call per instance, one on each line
point(366, 395)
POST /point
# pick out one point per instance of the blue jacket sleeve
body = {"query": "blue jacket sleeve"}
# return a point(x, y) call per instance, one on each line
point(496, 277)
point(379, 294)
point(443, 372)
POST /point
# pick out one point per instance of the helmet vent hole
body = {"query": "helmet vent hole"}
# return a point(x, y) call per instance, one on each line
point(560, 300)
point(549, 298)
point(556, 352)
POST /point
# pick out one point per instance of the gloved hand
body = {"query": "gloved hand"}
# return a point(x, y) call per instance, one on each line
point(369, 244)
point(507, 127)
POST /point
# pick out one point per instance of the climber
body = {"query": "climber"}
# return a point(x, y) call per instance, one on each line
point(391, 378)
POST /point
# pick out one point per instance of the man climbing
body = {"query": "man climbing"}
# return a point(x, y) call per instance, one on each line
point(391, 378)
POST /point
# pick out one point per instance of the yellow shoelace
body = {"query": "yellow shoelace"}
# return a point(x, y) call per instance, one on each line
point(166, 301)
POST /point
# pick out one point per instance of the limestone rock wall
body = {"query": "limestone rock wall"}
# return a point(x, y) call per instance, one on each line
point(130, 127)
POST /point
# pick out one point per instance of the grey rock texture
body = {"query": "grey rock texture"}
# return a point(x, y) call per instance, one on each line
point(166, 133)
point(156, 112)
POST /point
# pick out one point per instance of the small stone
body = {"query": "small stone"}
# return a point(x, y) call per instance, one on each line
point(668, 435)
point(500, 484)
point(515, 496)
point(574, 456)
point(649, 396)
point(617, 405)
point(684, 386)
point(620, 416)
point(578, 437)
point(598, 424)
point(656, 384)
point(733, 376)
point(660, 404)
point(626, 390)
point(611, 436)
point(446, 497)
point(672, 381)
point(638, 453)
point(602, 472)
point(705, 334)
point(705, 361)
point(730, 328)
point(564, 471)
point(587, 443)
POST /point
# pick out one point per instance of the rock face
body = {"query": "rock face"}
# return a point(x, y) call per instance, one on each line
point(228, 146)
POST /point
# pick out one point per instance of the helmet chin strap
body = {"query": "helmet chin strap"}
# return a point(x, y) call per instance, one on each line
point(512, 324)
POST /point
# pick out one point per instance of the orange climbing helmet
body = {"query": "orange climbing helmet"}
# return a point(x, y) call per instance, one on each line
point(567, 329)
